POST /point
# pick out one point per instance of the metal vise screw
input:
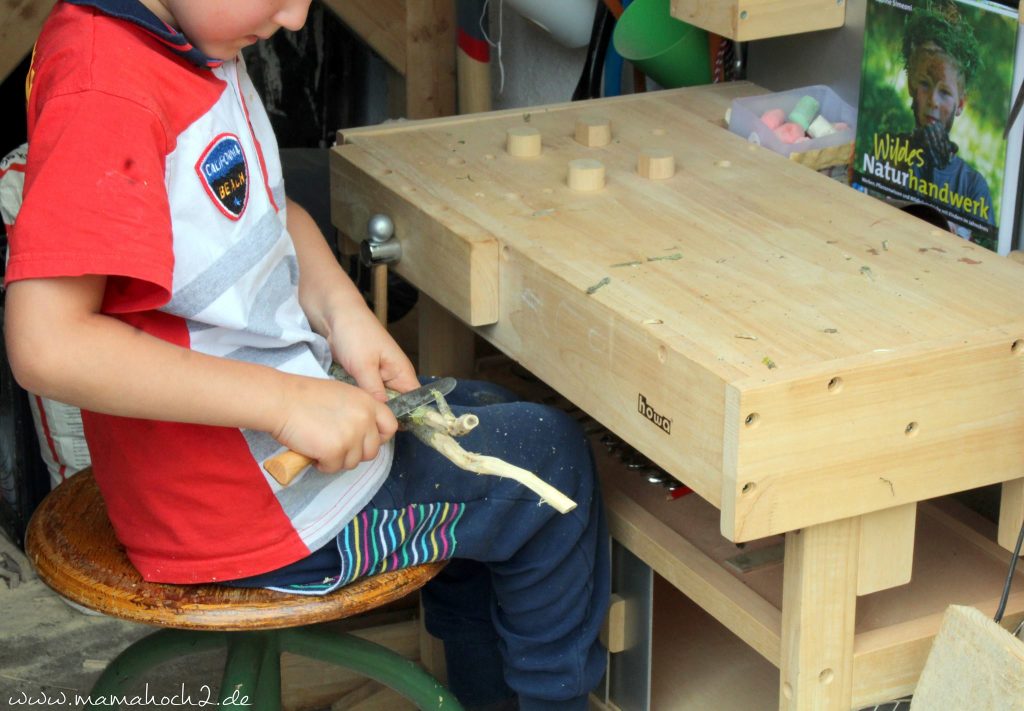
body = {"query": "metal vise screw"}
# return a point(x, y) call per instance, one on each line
point(380, 246)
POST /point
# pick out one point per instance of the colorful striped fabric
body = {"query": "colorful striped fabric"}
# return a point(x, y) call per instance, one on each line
point(379, 540)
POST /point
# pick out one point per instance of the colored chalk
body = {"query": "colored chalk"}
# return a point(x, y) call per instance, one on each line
point(820, 127)
point(804, 111)
point(773, 118)
point(789, 132)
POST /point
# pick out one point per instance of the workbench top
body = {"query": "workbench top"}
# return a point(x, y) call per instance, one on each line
point(763, 332)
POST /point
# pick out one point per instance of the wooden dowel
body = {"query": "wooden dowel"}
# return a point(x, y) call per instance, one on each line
point(379, 280)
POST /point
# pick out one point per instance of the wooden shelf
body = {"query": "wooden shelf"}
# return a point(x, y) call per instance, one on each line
point(956, 561)
point(744, 20)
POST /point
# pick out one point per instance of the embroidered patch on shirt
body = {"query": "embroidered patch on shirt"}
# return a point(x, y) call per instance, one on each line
point(225, 174)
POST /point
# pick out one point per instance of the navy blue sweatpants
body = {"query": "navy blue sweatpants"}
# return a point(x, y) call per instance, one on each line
point(520, 606)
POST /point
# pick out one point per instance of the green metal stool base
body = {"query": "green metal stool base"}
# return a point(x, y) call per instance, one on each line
point(252, 674)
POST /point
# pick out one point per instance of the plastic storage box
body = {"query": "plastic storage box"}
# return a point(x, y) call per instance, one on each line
point(816, 153)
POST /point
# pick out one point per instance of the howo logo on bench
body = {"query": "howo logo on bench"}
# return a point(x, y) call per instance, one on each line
point(651, 414)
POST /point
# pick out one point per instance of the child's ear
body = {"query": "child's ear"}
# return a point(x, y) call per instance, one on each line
point(960, 104)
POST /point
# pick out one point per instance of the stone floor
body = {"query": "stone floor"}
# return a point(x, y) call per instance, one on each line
point(50, 653)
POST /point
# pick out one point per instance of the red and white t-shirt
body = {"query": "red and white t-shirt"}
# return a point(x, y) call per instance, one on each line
point(157, 167)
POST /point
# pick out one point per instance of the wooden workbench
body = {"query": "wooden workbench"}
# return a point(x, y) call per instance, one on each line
point(812, 362)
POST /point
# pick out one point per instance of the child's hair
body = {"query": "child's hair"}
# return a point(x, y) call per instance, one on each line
point(940, 22)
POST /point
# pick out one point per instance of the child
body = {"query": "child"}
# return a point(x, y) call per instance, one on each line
point(940, 54)
point(160, 279)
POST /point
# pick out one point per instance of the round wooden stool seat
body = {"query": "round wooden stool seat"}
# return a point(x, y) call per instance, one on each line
point(72, 545)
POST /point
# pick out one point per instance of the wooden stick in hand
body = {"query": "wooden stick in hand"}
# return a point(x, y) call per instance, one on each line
point(286, 466)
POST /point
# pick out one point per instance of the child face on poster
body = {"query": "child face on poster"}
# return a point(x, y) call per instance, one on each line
point(936, 87)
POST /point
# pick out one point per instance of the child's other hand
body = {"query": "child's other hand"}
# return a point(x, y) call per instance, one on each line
point(938, 148)
point(364, 348)
point(334, 423)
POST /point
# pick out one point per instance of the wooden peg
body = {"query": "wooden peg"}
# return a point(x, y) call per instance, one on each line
point(586, 174)
point(523, 142)
point(656, 163)
point(593, 131)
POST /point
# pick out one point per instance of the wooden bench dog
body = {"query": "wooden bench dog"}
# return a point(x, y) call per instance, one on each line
point(72, 546)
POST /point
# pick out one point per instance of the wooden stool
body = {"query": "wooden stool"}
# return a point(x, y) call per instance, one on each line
point(72, 546)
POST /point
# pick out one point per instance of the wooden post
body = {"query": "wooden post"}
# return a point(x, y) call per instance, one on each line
point(429, 58)
point(819, 600)
point(20, 22)
point(1011, 513)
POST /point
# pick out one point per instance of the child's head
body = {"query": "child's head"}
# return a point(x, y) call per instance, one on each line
point(221, 28)
point(936, 85)
point(940, 54)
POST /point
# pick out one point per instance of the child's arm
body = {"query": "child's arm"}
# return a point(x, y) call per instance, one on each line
point(59, 345)
point(337, 311)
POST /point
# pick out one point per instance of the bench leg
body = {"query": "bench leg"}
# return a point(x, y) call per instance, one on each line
point(131, 665)
point(372, 661)
point(819, 601)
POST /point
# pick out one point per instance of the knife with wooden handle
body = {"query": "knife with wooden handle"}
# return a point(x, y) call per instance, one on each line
point(287, 465)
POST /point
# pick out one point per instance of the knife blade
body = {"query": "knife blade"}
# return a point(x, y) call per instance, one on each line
point(288, 464)
point(405, 403)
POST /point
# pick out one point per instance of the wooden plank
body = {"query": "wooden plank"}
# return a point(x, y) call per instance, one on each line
point(894, 428)
point(973, 663)
point(379, 23)
point(745, 20)
point(819, 603)
point(709, 102)
point(430, 58)
point(699, 665)
point(689, 570)
point(20, 22)
point(473, 80)
point(1011, 513)
point(886, 550)
point(627, 377)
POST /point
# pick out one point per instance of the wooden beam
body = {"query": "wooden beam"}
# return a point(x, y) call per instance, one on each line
point(380, 23)
point(20, 21)
point(430, 59)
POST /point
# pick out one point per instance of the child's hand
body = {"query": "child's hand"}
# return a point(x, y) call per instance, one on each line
point(335, 424)
point(938, 148)
point(364, 348)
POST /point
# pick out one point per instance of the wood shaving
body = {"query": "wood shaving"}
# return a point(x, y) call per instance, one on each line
point(604, 282)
